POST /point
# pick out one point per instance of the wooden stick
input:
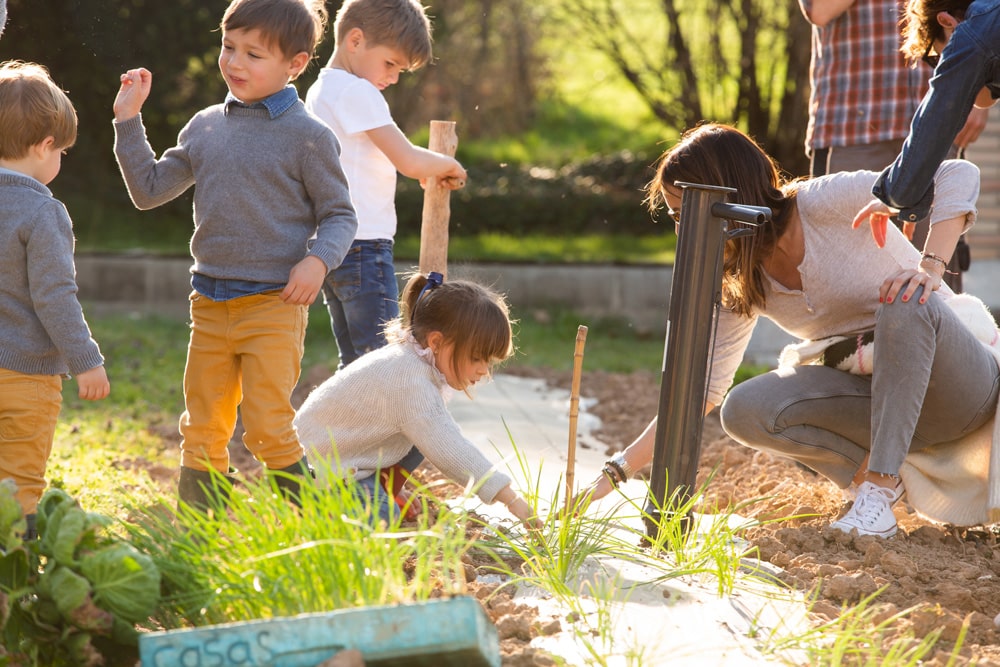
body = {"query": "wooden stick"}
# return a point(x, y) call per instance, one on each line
point(437, 204)
point(574, 411)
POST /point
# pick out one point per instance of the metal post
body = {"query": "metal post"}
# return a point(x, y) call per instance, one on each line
point(695, 290)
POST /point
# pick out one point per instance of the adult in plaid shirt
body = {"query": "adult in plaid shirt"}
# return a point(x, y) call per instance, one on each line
point(864, 93)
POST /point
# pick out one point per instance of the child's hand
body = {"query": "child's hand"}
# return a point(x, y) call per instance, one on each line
point(304, 281)
point(520, 508)
point(93, 384)
point(135, 87)
point(451, 178)
point(454, 178)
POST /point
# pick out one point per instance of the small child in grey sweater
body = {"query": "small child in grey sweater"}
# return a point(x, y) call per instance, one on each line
point(43, 334)
point(272, 216)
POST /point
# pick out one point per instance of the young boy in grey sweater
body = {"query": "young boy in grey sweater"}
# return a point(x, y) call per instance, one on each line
point(272, 216)
point(43, 334)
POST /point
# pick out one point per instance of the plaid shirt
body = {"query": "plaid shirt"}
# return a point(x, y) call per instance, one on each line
point(863, 92)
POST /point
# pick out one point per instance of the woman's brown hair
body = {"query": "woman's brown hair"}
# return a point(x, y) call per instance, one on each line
point(720, 155)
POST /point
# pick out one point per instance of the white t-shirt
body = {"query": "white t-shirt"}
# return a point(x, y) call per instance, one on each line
point(351, 106)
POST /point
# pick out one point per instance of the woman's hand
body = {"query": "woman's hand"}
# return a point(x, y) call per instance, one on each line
point(905, 283)
point(597, 489)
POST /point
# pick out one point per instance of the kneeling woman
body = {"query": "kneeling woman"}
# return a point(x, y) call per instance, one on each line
point(932, 381)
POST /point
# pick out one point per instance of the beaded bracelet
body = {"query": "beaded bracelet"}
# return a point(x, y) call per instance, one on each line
point(611, 474)
point(937, 258)
point(619, 473)
point(620, 460)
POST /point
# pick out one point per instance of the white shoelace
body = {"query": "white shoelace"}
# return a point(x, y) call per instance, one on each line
point(868, 509)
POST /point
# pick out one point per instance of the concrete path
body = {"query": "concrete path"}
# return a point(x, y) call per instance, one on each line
point(683, 622)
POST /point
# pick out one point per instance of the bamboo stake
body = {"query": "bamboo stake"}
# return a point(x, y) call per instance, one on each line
point(574, 412)
point(437, 204)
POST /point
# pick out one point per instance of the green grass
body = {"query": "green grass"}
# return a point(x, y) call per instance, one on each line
point(547, 249)
point(566, 131)
point(544, 337)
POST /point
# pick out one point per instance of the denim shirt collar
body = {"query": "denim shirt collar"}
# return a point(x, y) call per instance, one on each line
point(276, 104)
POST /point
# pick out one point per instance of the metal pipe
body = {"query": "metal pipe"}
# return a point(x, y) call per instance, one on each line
point(696, 286)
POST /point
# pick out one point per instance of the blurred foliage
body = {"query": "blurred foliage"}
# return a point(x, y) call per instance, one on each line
point(655, 247)
point(602, 194)
point(743, 62)
point(554, 132)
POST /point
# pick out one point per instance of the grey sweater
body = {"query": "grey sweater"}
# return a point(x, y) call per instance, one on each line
point(42, 329)
point(372, 411)
point(266, 190)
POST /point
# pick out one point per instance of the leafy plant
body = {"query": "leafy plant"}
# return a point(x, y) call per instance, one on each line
point(74, 595)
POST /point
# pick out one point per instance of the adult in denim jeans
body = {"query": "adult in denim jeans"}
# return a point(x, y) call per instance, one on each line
point(967, 36)
point(375, 42)
point(934, 380)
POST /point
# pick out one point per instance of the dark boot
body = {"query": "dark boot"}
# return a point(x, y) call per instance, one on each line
point(204, 490)
point(30, 533)
point(289, 483)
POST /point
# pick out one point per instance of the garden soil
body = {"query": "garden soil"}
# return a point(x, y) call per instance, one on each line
point(945, 577)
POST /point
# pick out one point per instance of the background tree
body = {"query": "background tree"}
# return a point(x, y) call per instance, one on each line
point(744, 62)
point(87, 44)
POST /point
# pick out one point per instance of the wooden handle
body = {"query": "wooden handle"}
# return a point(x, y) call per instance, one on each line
point(437, 204)
point(574, 411)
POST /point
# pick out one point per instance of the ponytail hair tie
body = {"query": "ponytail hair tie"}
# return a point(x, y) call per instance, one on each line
point(434, 279)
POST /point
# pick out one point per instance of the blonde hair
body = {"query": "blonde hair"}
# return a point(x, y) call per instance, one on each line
point(398, 24)
point(296, 26)
point(473, 318)
point(32, 108)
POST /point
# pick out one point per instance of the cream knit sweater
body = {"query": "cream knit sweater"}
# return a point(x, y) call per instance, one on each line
point(370, 413)
point(958, 482)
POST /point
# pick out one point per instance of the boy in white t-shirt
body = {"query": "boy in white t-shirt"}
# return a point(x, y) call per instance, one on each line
point(376, 40)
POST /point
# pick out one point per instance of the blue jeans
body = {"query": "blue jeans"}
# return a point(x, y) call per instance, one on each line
point(362, 295)
point(371, 492)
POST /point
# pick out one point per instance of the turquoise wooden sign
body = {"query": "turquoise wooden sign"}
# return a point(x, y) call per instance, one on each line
point(454, 632)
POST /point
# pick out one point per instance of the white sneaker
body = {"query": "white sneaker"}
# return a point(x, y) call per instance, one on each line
point(871, 512)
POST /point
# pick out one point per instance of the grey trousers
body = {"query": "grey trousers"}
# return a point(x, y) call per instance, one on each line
point(933, 382)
